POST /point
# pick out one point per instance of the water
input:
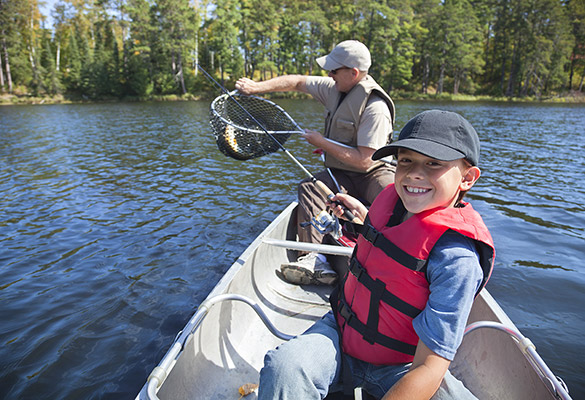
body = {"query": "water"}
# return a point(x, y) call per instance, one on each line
point(116, 220)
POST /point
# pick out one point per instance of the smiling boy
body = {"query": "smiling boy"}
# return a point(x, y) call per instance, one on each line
point(422, 256)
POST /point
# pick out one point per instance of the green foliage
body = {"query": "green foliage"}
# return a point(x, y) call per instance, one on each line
point(139, 81)
point(103, 49)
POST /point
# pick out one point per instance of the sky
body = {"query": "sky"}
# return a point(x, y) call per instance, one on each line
point(46, 6)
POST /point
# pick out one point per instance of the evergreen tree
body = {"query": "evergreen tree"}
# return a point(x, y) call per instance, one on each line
point(175, 22)
point(139, 71)
point(457, 32)
point(576, 15)
point(101, 48)
point(51, 79)
point(223, 44)
point(73, 64)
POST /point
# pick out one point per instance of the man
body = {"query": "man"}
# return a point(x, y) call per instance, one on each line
point(360, 115)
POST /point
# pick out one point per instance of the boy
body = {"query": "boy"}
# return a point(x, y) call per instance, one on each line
point(422, 256)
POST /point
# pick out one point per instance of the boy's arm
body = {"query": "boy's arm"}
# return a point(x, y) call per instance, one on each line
point(423, 378)
point(455, 275)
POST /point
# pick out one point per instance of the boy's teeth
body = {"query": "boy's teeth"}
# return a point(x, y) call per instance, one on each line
point(416, 190)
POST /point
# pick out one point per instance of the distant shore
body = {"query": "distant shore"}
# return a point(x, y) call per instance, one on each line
point(22, 99)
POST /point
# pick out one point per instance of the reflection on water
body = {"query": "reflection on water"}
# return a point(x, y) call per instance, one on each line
point(118, 219)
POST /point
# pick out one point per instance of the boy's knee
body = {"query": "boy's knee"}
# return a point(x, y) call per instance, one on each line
point(281, 362)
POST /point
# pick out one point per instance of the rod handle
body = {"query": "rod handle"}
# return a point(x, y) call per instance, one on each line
point(323, 188)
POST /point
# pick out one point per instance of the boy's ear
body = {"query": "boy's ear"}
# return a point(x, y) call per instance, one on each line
point(469, 178)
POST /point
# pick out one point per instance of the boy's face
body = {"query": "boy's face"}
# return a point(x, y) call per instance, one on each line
point(424, 183)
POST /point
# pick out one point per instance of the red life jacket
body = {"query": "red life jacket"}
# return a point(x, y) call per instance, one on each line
point(387, 285)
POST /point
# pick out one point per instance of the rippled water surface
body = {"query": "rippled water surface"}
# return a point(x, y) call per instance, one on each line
point(116, 220)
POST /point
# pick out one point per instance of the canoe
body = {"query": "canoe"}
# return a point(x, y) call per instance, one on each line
point(252, 309)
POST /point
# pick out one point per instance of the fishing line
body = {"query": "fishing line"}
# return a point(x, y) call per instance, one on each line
point(260, 125)
point(239, 140)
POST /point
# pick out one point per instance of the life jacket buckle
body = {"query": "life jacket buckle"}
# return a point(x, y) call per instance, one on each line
point(345, 311)
point(356, 268)
point(371, 234)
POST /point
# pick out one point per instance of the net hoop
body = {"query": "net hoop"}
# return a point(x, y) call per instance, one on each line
point(248, 127)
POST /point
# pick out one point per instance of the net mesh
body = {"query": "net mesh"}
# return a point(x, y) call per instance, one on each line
point(241, 137)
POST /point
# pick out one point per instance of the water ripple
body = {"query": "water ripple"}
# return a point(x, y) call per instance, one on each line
point(117, 220)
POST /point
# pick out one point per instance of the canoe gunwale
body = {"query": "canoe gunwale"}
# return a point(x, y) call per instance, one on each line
point(553, 383)
point(252, 279)
point(159, 374)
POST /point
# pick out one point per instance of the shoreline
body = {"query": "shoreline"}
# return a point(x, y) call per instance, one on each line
point(16, 99)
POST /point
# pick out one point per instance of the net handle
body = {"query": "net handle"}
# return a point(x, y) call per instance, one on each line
point(298, 129)
point(320, 185)
point(229, 94)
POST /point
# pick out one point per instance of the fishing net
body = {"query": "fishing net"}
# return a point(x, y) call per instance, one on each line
point(248, 127)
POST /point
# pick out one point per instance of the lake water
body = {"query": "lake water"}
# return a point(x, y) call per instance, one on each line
point(116, 220)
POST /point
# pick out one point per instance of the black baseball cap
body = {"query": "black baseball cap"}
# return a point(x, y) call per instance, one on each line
point(443, 135)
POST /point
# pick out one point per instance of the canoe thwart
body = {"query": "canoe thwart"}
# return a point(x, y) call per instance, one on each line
point(303, 246)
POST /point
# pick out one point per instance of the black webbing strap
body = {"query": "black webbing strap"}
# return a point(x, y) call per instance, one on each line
point(346, 372)
point(352, 320)
point(397, 214)
point(379, 292)
point(390, 249)
point(378, 288)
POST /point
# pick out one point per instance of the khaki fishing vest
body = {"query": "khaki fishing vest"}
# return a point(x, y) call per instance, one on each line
point(341, 124)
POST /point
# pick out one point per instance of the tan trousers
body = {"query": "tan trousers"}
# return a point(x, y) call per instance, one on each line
point(364, 187)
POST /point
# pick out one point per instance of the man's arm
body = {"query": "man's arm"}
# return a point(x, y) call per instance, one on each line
point(284, 83)
point(423, 378)
point(358, 157)
point(372, 133)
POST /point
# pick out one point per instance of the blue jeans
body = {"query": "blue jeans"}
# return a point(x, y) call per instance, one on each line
point(309, 367)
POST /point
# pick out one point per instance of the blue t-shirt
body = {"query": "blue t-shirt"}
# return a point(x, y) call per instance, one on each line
point(454, 274)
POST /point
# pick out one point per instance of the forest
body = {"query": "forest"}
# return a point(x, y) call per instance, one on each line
point(123, 49)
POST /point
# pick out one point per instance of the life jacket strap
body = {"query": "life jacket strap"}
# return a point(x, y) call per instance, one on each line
point(379, 291)
point(353, 321)
point(380, 241)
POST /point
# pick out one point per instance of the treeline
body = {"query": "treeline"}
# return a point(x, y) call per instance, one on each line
point(116, 48)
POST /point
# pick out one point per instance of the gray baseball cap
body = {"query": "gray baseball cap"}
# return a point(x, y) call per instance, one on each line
point(443, 135)
point(349, 53)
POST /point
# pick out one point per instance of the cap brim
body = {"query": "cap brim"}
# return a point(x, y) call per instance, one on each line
point(426, 147)
point(328, 64)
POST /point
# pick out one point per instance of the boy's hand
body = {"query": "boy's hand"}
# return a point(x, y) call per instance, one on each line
point(352, 204)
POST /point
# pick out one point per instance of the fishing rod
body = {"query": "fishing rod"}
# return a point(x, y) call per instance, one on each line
point(324, 189)
point(280, 145)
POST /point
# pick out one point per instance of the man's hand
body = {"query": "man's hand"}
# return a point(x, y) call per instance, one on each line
point(247, 86)
point(359, 157)
point(313, 137)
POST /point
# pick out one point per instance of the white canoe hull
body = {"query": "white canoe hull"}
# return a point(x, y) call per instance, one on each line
point(227, 349)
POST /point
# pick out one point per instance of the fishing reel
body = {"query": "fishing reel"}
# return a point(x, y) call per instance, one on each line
point(326, 223)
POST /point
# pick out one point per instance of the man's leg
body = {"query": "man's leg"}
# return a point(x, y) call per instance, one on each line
point(311, 203)
point(310, 268)
point(368, 186)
